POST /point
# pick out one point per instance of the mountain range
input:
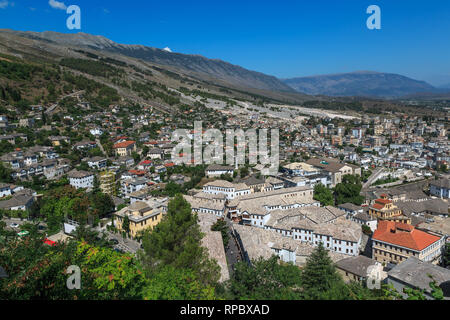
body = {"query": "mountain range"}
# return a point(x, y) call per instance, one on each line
point(367, 84)
point(360, 83)
point(195, 64)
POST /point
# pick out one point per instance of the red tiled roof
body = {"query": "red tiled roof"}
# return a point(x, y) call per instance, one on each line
point(403, 235)
point(146, 162)
point(124, 144)
point(384, 201)
point(378, 206)
point(171, 164)
point(137, 172)
point(50, 242)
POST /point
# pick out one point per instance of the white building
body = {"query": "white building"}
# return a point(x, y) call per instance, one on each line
point(133, 185)
point(81, 179)
point(440, 188)
point(229, 189)
point(215, 170)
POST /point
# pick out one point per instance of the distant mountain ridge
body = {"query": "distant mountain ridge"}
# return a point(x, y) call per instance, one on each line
point(214, 68)
point(360, 83)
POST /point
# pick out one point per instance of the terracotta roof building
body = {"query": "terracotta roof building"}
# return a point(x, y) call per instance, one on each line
point(385, 209)
point(125, 148)
point(394, 242)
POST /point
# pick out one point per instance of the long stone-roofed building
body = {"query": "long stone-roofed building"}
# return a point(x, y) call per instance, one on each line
point(318, 224)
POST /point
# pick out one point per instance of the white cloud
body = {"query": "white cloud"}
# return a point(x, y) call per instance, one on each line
point(3, 4)
point(167, 49)
point(57, 5)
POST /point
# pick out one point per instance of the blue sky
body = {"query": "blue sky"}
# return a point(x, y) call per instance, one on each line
point(281, 38)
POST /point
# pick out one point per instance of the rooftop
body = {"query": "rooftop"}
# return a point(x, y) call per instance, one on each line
point(417, 273)
point(403, 235)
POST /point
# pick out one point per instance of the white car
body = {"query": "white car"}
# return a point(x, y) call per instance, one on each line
point(14, 225)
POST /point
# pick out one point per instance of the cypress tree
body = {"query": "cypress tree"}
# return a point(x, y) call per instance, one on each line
point(319, 277)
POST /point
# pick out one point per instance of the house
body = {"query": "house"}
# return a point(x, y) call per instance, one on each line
point(255, 243)
point(207, 203)
point(28, 122)
point(5, 190)
point(133, 185)
point(142, 215)
point(124, 161)
point(96, 162)
point(255, 208)
point(125, 148)
point(416, 274)
point(440, 188)
point(274, 183)
point(363, 218)
point(385, 209)
point(316, 225)
point(216, 170)
point(350, 208)
point(160, 169)
point(21, 201)
point(394, 242)
point(359, 268)
point(81, 179)
point(56, 140)
point(229, 189)
point(155, 153)
point(145, 165)
point(301, 169)
point(96, 132)
point(85, 145)
point(335, 169)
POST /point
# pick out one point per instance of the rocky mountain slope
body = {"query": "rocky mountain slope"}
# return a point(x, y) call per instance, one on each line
point(362, 83)
point(196, 64)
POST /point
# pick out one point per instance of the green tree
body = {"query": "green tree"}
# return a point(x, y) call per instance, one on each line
point(323, 195)
point(5, 174)
point(176, 242)
point(446, 255)
point(320, 279)
point(265, 280)
point(349, 190)
point(126, 224)
point(221, 226)
point(177, 284)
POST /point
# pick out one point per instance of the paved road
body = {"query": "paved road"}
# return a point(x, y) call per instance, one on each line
point(372, 178)
point(127, 245)
point(9, 221)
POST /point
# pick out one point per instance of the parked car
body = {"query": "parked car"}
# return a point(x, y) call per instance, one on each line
point(14, 225)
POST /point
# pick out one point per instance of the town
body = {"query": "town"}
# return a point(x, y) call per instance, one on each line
point(210, 159)
point(372, 190)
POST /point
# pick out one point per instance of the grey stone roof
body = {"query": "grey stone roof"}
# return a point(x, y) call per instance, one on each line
point(349, 206)
point(218, 167)
point(16, 201)
point(416, 274)
point(433, 206)
point(441, 183)
point(79, 174)
point(356, 265)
